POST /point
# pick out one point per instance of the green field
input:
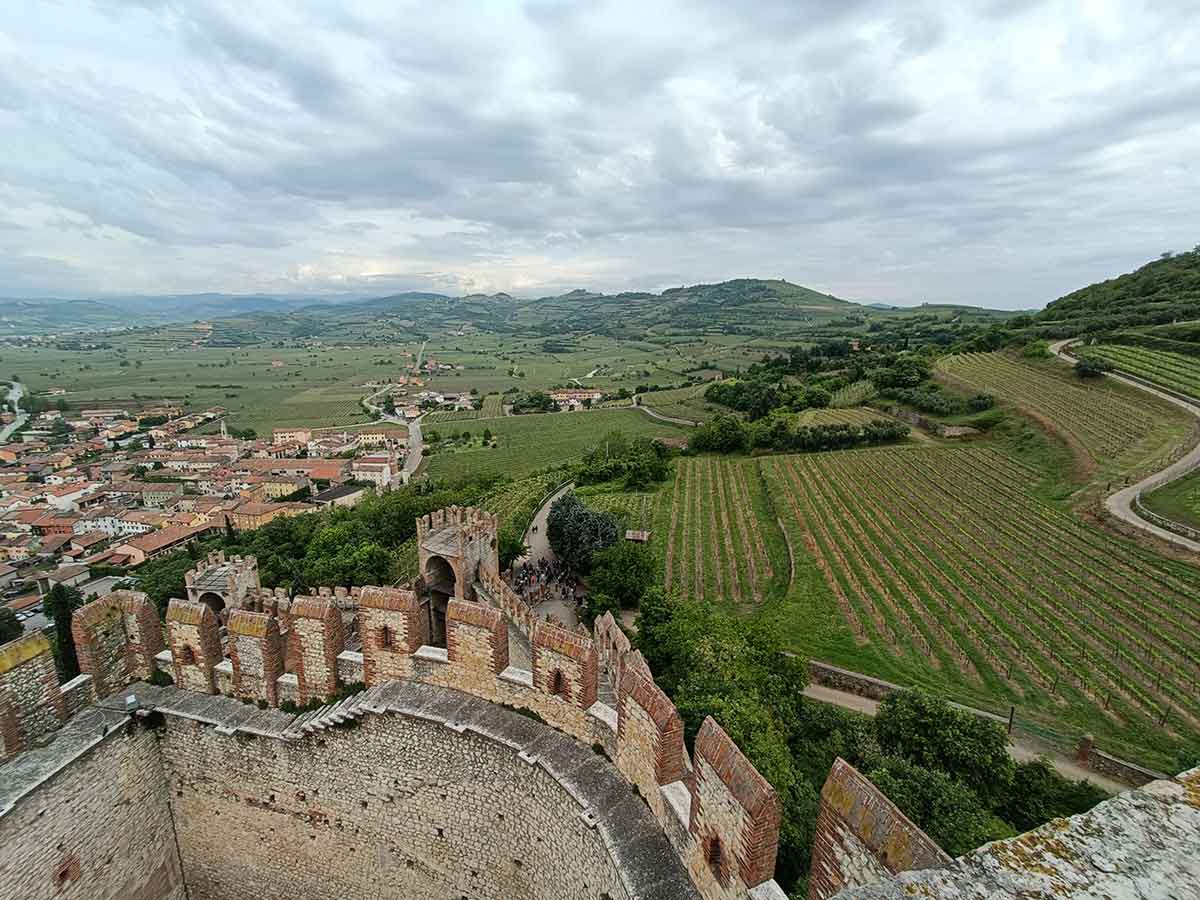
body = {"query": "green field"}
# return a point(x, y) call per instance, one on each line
point(533, 442)
point(319, 388)
point(682, 403)
point(1176, 371)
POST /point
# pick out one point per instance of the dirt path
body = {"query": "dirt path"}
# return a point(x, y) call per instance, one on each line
point(657, 415)
point(1121, 503)
point(1020, 750)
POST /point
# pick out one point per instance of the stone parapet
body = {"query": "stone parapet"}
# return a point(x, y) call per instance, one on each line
point(116, 639)
point(194, 639)
point(31, 703)
point(862, 837)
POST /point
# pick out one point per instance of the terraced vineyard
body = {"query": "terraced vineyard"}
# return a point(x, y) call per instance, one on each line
point(857, 416)
point(493, 406)
point(1176, 371)
point(941, 558)
point(1104, 422)
point(715, 545)
point(855, 394)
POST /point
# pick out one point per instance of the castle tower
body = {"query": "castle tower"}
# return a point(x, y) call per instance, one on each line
point(456, 547)
point(224, 584)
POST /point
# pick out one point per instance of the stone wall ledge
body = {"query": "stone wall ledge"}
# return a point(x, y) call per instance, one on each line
point(604, 713)
point(30, 769)
point(431, 654)
point(679, 801)
point(514, 675)
point(645, 857)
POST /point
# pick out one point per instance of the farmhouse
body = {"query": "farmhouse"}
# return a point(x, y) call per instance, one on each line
point(575, 398)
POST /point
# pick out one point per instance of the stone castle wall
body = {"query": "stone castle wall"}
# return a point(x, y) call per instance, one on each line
point(97, 829)
point(31, 703)
point(720, 819)
point(392, 808)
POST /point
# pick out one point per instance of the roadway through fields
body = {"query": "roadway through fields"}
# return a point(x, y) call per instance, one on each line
point(14, 396)
point(1120, 504)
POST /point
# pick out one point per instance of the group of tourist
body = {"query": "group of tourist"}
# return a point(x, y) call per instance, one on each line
point(545, 579)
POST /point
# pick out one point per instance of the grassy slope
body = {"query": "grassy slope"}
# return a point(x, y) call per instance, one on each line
point(530, 443)
point(1179, 500)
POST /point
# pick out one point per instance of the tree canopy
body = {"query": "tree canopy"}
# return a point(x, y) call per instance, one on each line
point(576, 531)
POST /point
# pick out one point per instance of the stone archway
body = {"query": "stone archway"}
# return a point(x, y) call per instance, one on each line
point(213, 601)
point(440, 582)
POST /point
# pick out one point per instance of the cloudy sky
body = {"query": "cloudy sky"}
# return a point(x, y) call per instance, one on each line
point(1000, 152)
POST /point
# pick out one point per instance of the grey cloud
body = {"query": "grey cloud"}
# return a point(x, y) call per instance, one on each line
point(615, 145)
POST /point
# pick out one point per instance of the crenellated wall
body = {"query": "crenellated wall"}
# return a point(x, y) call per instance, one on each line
point(719, 816)
point(423, 785)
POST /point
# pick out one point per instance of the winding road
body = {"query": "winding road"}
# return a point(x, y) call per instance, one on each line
point(14, 396)
point(1121, 503)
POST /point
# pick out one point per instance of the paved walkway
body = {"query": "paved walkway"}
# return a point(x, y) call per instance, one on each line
point(1020, 750)
point(539, 549)
point(1121, 503)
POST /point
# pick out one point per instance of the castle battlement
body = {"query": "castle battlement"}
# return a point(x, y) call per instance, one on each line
point(429, 770)
point(264, 648)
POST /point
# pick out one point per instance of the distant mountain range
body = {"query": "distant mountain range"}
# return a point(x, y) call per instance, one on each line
point(742, 305)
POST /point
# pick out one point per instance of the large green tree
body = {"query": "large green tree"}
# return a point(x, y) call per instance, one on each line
point(624, 572)
point(11, 627)
point(576, 532)
point(60, 604)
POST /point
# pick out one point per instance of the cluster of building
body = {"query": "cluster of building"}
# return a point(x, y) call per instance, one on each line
point(109, 488)
point(575, 398)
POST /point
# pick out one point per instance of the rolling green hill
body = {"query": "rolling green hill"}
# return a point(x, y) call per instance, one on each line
point(1166, 290)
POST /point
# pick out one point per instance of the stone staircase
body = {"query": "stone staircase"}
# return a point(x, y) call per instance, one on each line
point(353, 707)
